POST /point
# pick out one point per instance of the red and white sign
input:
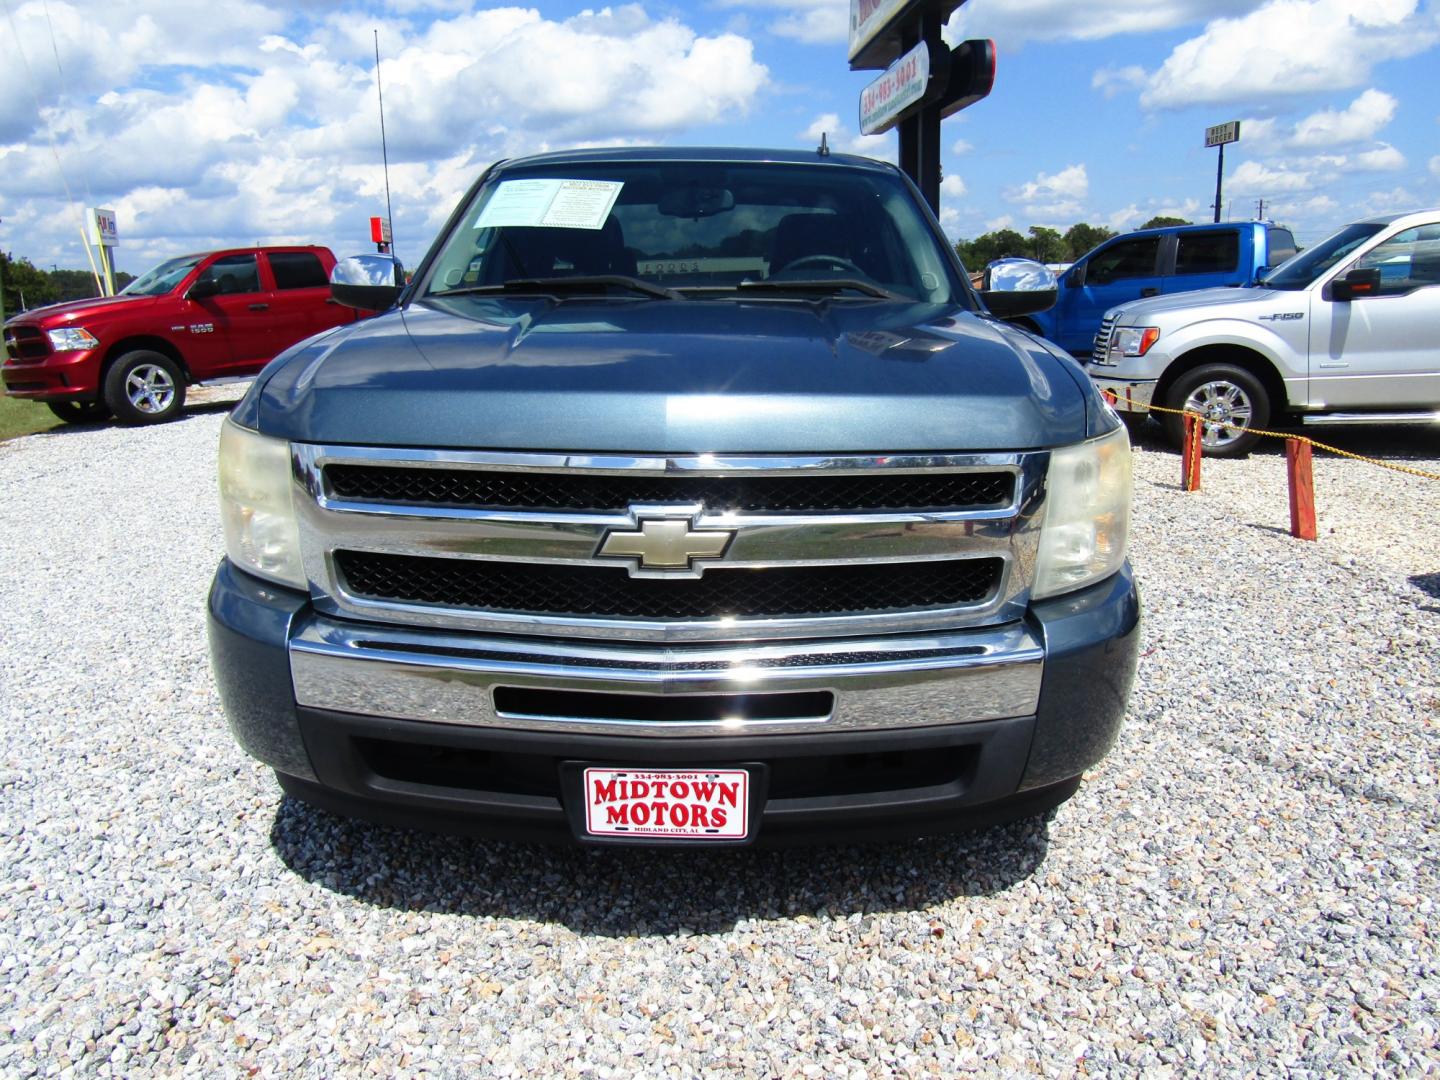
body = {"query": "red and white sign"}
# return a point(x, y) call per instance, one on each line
point(103, 230)
point(380, 230)
point(868, 18)
point(884, 102)
point(699, 805)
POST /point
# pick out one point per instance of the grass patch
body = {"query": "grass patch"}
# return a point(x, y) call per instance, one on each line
point(20, 417)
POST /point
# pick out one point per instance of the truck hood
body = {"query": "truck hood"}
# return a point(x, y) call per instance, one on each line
point(1227, 301)
point(74, 311)
point(676, 376)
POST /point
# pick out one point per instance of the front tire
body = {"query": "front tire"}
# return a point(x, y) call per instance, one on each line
point(80, 412)
point(144, 387)
point(1232, 401)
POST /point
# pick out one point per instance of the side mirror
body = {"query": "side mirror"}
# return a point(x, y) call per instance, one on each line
point(367, 282)
point(1356, 284)
point(205, 287)
point(1019, 287)
point(1260, 274)
point(1076, 277)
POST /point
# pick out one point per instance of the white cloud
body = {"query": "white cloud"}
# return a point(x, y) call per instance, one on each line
point(1396, 199)
point(1056, 195)
point(1013, 22)
point(1384, 158)
point(1253, 178)
point(1004, 221)
point(952, 187)
point(961, 147)
point(1111, 81)
point(814, 22)
point(1361, 120)
point(1435, 165)
point(1289, 47)
point(252, 124)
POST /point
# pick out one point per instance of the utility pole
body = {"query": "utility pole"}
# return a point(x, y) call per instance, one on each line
point(2, 284)
point(1260, 210)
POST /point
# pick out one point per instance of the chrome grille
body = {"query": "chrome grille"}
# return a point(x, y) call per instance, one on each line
point(1102, 340)
point(819, 546)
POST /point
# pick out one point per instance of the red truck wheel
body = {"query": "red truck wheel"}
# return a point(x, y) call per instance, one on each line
point(144, 387)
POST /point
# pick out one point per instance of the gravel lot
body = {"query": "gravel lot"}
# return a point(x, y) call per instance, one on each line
point(1246, 886)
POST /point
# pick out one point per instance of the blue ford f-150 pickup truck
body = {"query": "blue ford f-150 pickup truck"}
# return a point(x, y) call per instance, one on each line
point(1156, 262)
point(682, 497)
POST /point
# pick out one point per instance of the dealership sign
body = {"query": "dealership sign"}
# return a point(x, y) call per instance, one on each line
point(885, 101)
point(1221, 134)
point(103, 230)
point(868, 18)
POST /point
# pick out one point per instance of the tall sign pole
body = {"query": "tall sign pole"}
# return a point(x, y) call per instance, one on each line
point(1219, 135)
point(924, 81)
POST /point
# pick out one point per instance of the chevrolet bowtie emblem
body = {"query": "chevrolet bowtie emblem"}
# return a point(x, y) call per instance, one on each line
point(665, 544)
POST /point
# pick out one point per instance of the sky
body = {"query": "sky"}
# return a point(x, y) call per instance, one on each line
point(257, 122)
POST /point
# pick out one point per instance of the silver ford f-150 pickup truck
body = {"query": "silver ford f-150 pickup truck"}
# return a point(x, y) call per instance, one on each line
point(1343, 333)
point(682, 497)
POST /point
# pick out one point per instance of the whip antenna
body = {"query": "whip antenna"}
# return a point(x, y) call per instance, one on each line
point(384, 151)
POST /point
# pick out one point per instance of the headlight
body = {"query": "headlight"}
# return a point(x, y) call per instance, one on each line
point(1087, 515)
point(1134, 340)
point(70, 338)
point(262, 535)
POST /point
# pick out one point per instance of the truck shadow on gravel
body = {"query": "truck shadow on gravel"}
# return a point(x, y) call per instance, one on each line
point(628, 892)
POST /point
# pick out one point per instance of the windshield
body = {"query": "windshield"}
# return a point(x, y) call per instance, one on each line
point(701, 228)
point(1300, 270)
point(161, 279)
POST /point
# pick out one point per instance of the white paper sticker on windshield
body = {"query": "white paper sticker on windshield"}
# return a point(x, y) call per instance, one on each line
point(555, 204)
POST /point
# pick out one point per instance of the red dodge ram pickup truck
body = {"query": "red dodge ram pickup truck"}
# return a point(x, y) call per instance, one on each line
point(197, 318)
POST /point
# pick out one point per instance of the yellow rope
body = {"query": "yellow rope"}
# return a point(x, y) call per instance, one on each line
point(1298, 438)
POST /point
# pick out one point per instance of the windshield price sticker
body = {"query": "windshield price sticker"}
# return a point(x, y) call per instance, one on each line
point(903, 85)
point(551, 204)
point(700, 805)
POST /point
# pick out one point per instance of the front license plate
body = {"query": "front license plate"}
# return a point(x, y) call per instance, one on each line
point(700, 804)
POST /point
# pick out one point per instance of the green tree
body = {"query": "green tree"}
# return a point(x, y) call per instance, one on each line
point(1161, 221)
point(1081, 237)
point(24, 281)
point(74, 284)
point(1046, 245)
point(1002, 243)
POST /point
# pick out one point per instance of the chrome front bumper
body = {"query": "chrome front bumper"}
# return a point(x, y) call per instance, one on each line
point(890, 682)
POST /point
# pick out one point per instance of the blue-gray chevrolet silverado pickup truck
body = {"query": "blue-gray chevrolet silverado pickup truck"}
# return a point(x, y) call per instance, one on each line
point(681, 497)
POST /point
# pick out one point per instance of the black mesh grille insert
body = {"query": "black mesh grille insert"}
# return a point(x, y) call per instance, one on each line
point(482, 489)
point(603, 592)
point(26, 343)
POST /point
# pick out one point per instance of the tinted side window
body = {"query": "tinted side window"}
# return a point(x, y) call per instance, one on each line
point(1127, 259)
point(297, 270)
point(1281, 244)
point(1207, 253)
point(233, 274)
point(1408, 260)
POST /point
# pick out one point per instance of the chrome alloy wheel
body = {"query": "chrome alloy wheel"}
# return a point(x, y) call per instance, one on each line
point(1226, 408)
point(150, 389)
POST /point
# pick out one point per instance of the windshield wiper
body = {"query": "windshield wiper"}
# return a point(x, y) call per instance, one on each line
point(568, 284)
point(826, 285)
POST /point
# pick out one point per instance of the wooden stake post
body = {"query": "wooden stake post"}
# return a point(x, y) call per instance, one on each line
point(1190, 453)
point(1302, 489)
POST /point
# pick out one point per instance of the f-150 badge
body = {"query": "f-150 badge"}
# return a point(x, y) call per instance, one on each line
point(1283, 316)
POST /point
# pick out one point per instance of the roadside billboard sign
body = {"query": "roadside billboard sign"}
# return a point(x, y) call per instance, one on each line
point(380, 230)
point(1221, 134)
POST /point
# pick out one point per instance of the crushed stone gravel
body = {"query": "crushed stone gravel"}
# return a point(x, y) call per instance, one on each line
point(1247, 885)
